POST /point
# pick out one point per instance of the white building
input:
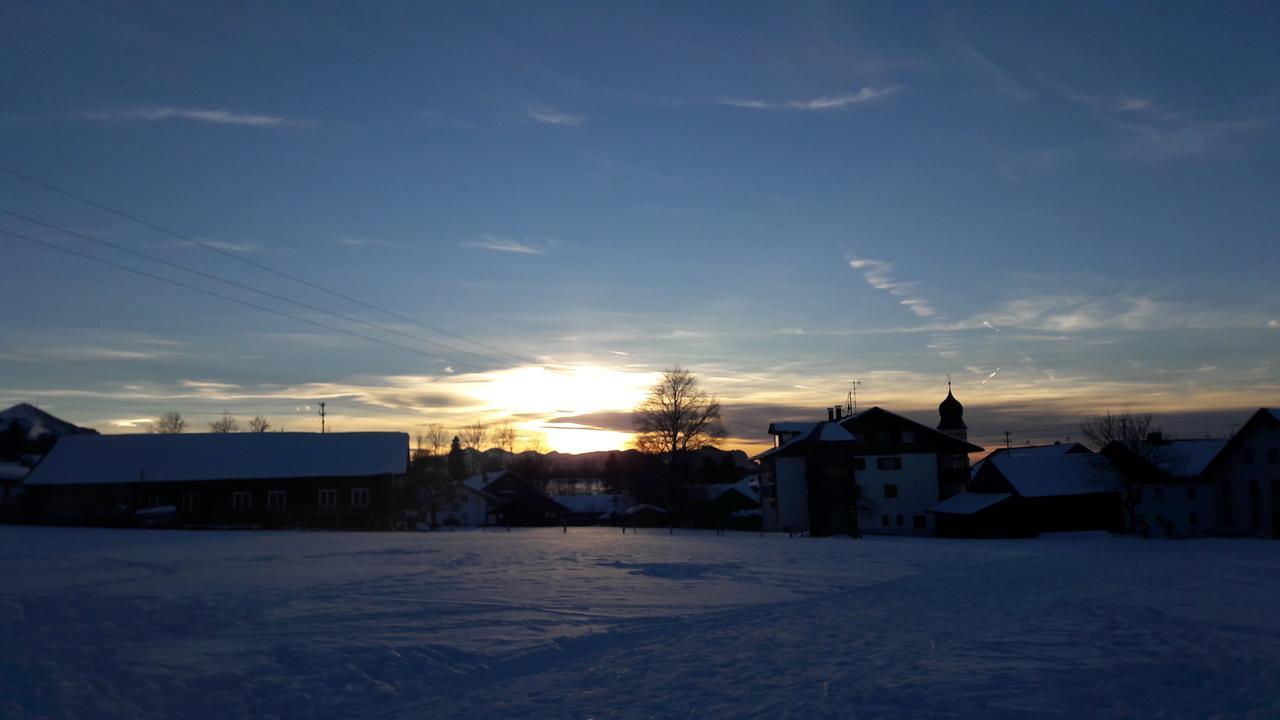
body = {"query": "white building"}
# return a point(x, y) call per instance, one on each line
point(1247, 476)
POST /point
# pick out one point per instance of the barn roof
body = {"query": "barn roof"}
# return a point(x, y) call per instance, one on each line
point(113, 459)
point(967, 503)
point(1065, 474)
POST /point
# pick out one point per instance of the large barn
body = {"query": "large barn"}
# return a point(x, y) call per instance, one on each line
point(333, 480)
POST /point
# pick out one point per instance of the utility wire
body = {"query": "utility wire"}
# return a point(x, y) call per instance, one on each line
point(242, 286)
point(229, 298)
point(260, 266)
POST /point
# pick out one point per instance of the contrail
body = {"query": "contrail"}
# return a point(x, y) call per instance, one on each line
point(984, 382)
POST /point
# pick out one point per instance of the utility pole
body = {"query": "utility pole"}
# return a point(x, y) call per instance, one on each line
point(321, 418)
point(1007, 442)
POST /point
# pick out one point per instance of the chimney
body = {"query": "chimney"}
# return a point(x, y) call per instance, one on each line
point(831, 414)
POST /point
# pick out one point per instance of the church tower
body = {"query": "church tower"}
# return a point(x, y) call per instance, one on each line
point(951, 413)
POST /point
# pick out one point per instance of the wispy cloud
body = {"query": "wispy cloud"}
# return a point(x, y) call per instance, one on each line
point(1274, 323)
point(554, 117)
point(818, 104)
point(219, 117)
point(877, 275)
point(497, 243)
point(356, 243)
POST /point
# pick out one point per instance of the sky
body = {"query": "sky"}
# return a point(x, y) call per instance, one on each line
point(1067, 209)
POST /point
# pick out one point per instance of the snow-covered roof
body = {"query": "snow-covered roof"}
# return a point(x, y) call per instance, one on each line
point(1188, 458)
point(829, 431)
point(1070, 474)
point(967, 503)
point(99, 459)
point(749, 486)
point(480, 481)
point(635, 509)
point(1275, 413)
point(1034, 450)
point(602, 504)
point(10, 471)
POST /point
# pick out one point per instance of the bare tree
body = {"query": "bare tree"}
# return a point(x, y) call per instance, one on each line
point(677, 417)
point(1134, 436)
point(474, 435)
point(535, 442)
point(437, 438)
point(225, 424)
point(259, 424)
point(170, 423)
point(504, 436)
point(419, 443)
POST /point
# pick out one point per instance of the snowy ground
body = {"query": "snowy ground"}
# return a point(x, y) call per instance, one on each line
point(594, 624)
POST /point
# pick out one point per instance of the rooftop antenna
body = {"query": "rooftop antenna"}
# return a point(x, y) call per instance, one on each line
point(851, 399)
point(321, 418)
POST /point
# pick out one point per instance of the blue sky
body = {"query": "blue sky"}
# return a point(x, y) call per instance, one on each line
point(1067, 209)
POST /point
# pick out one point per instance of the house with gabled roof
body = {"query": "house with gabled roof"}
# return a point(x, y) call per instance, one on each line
point(1246, 474)
point(1024, 495)
point(1174, 495)
point(315, 480)
point(511, 500)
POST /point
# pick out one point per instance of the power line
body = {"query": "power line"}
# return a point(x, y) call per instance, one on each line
point(229, 298)
point(243, 286)
point(260, 266)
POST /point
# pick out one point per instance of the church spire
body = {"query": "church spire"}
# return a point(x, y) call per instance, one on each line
point(951, 416)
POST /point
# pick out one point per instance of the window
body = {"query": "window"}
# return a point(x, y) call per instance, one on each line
point(884, 520)
point(275, 500)
point(908, 437)
point(359, 497)
point(241, 501)
point(1192, 520)
point(154, 501)
point(1246, 456)
point(328, 499)
point(190, 502)
point(920, 522)
point(899, 521)
point(1157, 493)
point(888, 463)
point(891, 491)
point(1191, 492)
point(1273, 456)
point(859, 464)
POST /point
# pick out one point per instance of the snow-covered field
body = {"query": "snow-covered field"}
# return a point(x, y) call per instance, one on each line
point(595, 624)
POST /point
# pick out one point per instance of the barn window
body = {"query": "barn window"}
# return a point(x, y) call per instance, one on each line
point(190, 502)
point(891, 491)
point(275, 500)
point(328, 499)
point(154, 501)
point(242, 500)
point(888, 463)
point(359, 497)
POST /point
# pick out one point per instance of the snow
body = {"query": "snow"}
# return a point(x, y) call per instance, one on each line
point(1045, 475)
point(1188, 458)
point(11, 471)
point(220, 456)
point(967, 503)
point(597, 624)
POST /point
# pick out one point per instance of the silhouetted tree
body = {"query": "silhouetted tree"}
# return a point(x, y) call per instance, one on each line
point(613, 475)
point(259, 424)
point(225, 424)
point(1136, 434)
point(473, 437)
point(437, 438)
point(676, 418)
point(504, 436)
point(169, 423)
